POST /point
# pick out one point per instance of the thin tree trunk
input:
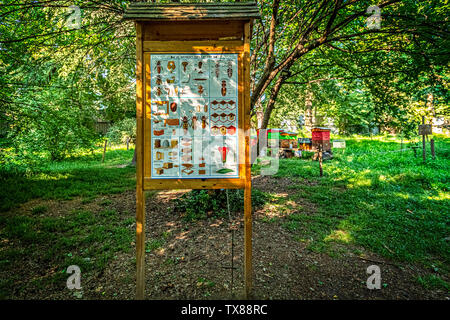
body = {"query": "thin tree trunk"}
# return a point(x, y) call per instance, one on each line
point(271, 103)
point(433, 154)
point(104, 151)
point(320, 160)
point(309, 117)
point(259, 120)
point(133, 161)
point(423, 143)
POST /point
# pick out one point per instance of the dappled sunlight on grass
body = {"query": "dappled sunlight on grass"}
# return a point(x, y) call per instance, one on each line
point(403, 195)
point(339, 236)
point(46, 177)
point(279, 207)
point(440, 196)
point(280, 195)
point(360, 182)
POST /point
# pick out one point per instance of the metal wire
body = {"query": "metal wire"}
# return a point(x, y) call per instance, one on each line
point(232, 242)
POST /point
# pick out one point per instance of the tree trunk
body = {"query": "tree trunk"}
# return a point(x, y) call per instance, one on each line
point(309, 114)
point(104, 151)
point(133, 162)
point(430, 105)
point(259, 121)
point(271, 103)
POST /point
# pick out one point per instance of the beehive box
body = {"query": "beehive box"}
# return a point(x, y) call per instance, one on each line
point(288, 143)
point(339, 144)
point(320, 133)
point(304, 143)
point(321, 136)
point(326, 145)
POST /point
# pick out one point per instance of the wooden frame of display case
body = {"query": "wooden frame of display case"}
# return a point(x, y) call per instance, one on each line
point(192, 29)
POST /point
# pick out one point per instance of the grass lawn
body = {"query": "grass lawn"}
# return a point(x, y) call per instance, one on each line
point(387, 202)
point(84, 176)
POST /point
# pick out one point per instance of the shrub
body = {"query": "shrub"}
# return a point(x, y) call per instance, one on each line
point(122, 131)
point(200, 204)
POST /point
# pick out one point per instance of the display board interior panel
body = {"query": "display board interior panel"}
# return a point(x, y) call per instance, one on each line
point(194, 116)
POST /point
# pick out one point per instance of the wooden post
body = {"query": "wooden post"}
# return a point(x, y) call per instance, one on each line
point(320, 160)
point(140, 200)
point(401, 142)
point(433, 154)
point(423, 142)
point(248, 267)
point(104, 151)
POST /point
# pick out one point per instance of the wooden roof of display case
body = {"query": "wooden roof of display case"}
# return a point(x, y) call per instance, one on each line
point(149, 11)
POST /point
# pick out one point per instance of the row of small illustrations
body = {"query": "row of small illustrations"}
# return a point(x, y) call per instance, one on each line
point(201, 90)
point(171, 66)
point(215, 130)
point(216, 105)
point(223, 105)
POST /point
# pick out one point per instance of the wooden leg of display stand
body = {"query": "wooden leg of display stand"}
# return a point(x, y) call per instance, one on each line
point(140, 244)
point(140, 200)
point(248, 269)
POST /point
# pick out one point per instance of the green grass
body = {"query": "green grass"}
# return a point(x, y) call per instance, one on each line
point(154, 244)
point(39, 209)
point(434, 282)
point(84, 176)
point(389, 202)
point(80, 237)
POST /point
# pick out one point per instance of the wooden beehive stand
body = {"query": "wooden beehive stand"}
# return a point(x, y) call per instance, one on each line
point(191, 28)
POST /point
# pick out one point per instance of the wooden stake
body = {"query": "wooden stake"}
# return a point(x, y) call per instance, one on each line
point(140, 244)
point(320, 160)
point(423, 142)
point(432, 149)
point(248, 241)
point(104, 151)
point(401, 142)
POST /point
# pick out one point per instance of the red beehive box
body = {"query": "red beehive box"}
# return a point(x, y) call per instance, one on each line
point(321, 134)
